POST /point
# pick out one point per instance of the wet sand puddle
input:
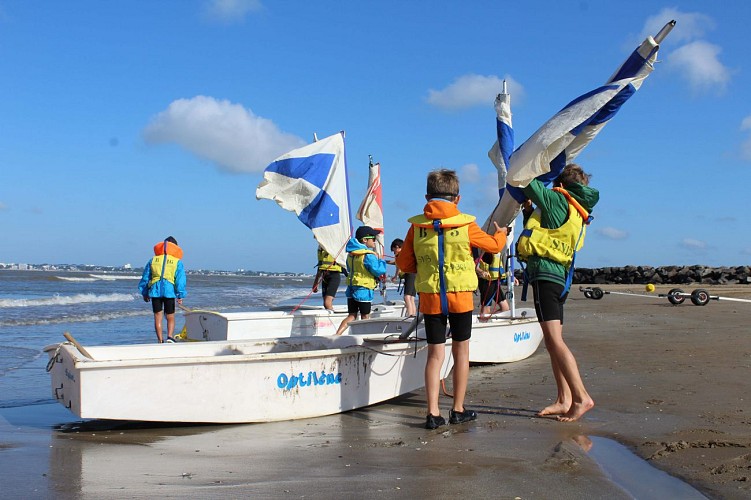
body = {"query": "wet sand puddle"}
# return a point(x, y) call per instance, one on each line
point(637, 477)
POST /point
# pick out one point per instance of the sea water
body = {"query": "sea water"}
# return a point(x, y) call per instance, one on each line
point(37, 307)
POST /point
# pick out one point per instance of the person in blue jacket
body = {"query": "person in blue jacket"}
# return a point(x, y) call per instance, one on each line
point(163, 282)
point(365, 269)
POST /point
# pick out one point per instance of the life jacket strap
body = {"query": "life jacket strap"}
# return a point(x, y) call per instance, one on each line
point(164, 264)
point(441, 261)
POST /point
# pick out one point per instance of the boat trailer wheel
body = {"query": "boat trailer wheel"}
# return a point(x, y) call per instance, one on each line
point(588, 293)
point(700, 297)
point(597, 293)
point(675, 296)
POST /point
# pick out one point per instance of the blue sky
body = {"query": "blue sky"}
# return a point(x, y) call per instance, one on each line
point(124, 122)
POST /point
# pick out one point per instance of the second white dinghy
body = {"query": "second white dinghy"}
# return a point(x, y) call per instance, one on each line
point(498, 338)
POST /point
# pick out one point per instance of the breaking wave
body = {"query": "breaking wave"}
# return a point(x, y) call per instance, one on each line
point(66, 300)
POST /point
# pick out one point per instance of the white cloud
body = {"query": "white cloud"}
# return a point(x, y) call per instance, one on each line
point(224, 133)
point(474, 90)
point(469, 173)
point(689, 25)
point(692, 244)
point(698, 63)
point(612, 233)
point(231, 10)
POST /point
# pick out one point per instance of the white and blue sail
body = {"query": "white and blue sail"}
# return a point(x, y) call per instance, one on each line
point(566, 134)
point(500, 156)
point(312, 182)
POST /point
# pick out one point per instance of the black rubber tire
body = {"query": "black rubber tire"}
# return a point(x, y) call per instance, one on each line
point(700, 297)
point(674, 298)
point(597, 293)
point(588, 294)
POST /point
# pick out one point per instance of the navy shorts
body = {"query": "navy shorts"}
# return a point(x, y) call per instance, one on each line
point(435, 327)
point(548, 300)
point(354, 307)
point(490, 291)
point(330, 283)
point(158, 302)
point(409, 284)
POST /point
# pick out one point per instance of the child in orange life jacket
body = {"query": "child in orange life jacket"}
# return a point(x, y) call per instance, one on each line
point(364, 268)
point(163, 282)
point(438, 248)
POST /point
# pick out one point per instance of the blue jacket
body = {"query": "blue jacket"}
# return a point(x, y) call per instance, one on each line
point(164, 288)
point(372, 263)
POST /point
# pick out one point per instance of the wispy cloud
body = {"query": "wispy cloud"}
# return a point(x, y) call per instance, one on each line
point(688, 53)
point(694, 245)
point(230, 11)
point(746, 145)
point(612, 233)
point(689, 25)
point(227, 134)
point(469, 173)
point(473, 90)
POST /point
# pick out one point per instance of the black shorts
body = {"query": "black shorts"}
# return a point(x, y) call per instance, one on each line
point(548, 300)
point(158, 302)
point(490, 291)
point(435, 327)
point(409, 284)
point(354, 307)
point(330, 283)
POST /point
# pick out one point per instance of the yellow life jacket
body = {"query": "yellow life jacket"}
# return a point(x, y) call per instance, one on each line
point(557, 244)
point(458, 271)
point(326, 262)
point(358, 273)
point(164, 262)
point(494, 269)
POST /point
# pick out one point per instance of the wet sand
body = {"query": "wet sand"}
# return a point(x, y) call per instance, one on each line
point(670, 383)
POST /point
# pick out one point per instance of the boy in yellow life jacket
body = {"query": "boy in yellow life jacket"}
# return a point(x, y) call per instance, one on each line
point(364, 268)
point(407, 280)
point(328, 276)
point(163, 282)
point(438, 248)
point(490, 275)
point(552, 232)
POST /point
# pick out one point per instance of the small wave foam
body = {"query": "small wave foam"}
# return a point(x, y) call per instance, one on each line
point(81, 318)
point(113, 277)
point(70, 278)
point(66, 300)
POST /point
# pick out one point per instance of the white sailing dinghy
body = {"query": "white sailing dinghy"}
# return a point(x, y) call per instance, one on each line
point(235, 381)
point(500, 338)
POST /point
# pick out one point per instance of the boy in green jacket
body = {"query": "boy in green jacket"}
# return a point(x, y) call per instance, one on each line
point(552, 233)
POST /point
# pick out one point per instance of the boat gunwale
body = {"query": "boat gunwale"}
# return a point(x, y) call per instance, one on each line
point(378, 346)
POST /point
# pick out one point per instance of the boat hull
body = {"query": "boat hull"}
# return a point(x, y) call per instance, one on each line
point(235, 382)
point(496, 339)
point(213, 325)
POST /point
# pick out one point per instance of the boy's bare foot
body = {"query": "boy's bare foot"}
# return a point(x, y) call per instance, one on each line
point(554, 409)
point(576, 411)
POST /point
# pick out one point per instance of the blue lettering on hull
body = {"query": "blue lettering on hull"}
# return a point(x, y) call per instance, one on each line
point(519, 336)
point(287, 382)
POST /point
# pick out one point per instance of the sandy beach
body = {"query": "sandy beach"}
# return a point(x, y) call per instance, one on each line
point(670, 385)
